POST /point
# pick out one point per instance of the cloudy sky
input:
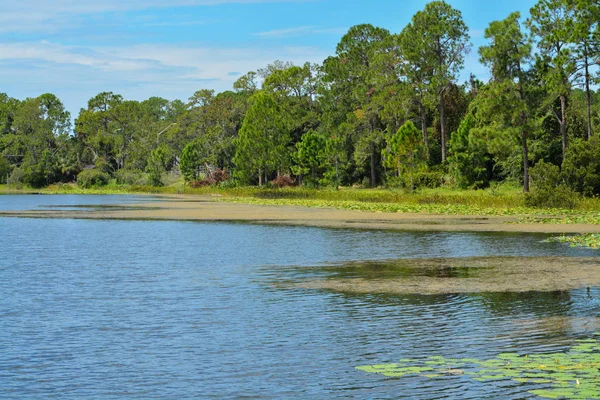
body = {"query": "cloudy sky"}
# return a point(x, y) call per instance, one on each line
point(171, 48)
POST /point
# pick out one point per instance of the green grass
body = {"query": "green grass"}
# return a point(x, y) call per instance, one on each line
point(502, 200)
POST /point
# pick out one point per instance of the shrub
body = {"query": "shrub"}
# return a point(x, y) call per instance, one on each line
point(17, 178)
point(283, 181)
point(130, 177)
point(92, 177)
point(431, 178)
point(5, 169)
point(216, 177)
point(202, 183)
point(581, 168)
point(549, 189)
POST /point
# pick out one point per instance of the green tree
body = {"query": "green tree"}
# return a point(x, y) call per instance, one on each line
point(5, 169)
point(469, 156)
point(552, 23)
point(581, 168)
point(294, 89)
point(262, 144)
point(406, 154)
point(586, 39)
point(506, 56)
point(434, 43)
point(196, 155)
point(310, 157)
point(156, 166)
point(41, 126)
point(352, 76)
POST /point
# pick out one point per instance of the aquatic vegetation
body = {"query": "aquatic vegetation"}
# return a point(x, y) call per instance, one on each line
point(581, 217)
point(441, 201)
point(432, 208)
point(572, 375)
point(589, 240)
point(459, 275)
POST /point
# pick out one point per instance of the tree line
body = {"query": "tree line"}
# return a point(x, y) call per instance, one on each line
point(385, 109)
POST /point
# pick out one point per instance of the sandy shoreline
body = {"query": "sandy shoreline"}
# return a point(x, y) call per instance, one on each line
point(207, 208)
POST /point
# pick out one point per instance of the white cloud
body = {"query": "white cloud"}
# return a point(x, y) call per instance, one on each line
point(54, 15)
point(300, 31)
point(76, 73)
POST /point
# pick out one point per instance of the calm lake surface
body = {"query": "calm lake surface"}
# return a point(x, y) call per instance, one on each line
point(181, 310)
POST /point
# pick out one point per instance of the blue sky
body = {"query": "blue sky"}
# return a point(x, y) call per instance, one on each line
point(78, 48)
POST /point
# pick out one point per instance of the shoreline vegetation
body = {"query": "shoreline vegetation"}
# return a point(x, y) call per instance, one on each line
point(495, 201)
point(499, 209)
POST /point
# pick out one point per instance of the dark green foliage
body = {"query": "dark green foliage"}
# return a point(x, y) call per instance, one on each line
point(310, 157)
point(17, 178)
point(196, 156)
point(157, 166)
point(262, 144)
point(429, 178)
point(549, 188)
point(469, 157)
point(5, 169)
point(406, 155)
point(92, 177)
point(581, 168)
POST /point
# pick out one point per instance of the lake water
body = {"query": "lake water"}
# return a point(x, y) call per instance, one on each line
point(182, 310)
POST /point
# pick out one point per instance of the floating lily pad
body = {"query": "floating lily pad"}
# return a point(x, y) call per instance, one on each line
point(572, 375)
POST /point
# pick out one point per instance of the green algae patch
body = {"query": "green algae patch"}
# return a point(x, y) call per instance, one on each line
point(571, 375)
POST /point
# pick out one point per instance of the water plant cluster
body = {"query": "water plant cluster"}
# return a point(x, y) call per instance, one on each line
point(589, 240)
point(572, 375)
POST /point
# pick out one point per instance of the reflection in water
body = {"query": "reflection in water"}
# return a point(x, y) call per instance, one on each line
point(113, 310)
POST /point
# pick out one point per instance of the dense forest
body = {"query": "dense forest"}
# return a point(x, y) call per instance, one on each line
point(387, 109)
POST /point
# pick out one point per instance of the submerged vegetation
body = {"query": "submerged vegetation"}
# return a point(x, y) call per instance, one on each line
point(459, 275)
point(386, 110)
point(572, 375)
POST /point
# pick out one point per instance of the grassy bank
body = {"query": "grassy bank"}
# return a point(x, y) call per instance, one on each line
point(503, 200)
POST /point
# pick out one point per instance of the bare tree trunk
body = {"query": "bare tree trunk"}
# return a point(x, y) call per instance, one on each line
point(563, 124)
point(524, 134)
point(525, 159)
point(373, 178)
point(259, 177)
point(424, 127)
point(443, 125)
point(587, 94)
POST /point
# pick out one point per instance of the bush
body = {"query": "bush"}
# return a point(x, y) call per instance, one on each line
point(17, 178)
point(581, 168)
point(431, 179)
point(130, 177)
point(5, 169)
point(202, 183)
point(283, 181)
point(92, 177)
point(214, 178)
point(549, 189)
